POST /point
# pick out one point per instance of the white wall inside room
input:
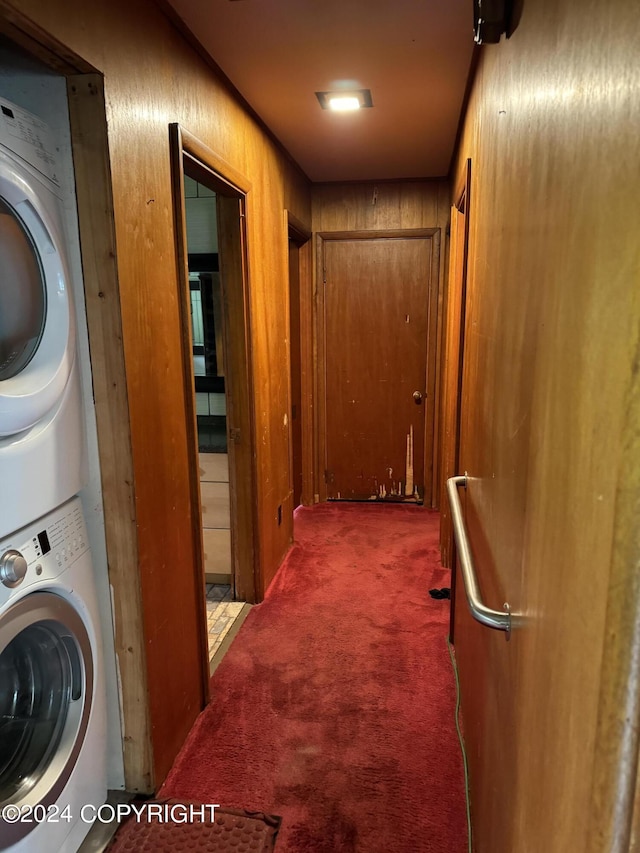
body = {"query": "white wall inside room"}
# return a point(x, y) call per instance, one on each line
point(32, 86)
point(202, 227)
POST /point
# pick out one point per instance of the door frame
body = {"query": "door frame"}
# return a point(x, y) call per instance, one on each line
point(430, 488)
point(451, 373)
point(232, 190)
point(298, 234)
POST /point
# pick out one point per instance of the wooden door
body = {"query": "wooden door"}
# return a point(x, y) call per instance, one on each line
point(376, 315)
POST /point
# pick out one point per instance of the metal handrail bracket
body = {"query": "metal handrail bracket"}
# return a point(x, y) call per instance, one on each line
point(500, 620)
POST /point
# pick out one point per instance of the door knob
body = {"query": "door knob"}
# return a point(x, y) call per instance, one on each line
point(417, 397)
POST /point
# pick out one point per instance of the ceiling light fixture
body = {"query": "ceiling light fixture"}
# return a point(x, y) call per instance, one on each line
point(345, 101)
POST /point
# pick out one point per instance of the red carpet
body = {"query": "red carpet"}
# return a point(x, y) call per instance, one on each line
point(334, 707)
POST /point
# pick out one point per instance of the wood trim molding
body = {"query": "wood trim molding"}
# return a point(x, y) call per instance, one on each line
point(405, 234)
point(249, 579)
point(297, 229)
point(102, 295)
point(217, 166)
point(40, 43)
point(182, 276)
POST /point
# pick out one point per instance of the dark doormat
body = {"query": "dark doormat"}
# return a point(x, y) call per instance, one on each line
point(171, 825)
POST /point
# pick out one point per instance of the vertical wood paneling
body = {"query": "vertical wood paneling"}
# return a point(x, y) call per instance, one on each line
point(549, 430)
point(151, 79)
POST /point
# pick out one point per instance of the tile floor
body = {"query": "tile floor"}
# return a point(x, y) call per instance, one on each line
point(222, 612)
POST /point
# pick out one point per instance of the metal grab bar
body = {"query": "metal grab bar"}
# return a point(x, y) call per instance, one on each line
point(501, 621)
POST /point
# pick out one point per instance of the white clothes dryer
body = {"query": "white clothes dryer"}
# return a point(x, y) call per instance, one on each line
point(52, 693)
point(42, 445)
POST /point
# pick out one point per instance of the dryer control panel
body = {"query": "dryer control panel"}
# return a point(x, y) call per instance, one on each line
point(43, 550)
point(29, 137)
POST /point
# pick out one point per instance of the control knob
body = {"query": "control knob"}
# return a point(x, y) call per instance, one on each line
point(13, 568)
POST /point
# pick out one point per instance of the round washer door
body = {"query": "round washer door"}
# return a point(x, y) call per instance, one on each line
point(46, 689)
point(37, 337)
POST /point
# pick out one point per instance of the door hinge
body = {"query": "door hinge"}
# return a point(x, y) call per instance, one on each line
point(328, 476)
point(234, 434)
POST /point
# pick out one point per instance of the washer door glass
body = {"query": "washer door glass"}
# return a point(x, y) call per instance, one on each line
point(23, 300)
point(40, 678)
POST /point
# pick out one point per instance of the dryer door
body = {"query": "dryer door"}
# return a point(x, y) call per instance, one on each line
point(36, 326)
point(46, 690)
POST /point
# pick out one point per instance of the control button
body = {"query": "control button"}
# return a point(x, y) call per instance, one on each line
point(13, 568)
point(38, 569)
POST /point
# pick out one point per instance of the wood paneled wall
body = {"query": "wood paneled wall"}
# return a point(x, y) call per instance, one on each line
point(550, 428)
point(152, 77)
point(382, 206)
point(387, 206)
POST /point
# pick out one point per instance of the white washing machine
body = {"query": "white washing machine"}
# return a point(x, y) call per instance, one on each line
point(52, 703)
point(42, 445)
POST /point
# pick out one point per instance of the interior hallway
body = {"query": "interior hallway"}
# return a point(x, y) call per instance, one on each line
point(550, 396)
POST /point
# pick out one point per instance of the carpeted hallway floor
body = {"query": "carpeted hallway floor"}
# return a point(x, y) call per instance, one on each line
point(334, 707)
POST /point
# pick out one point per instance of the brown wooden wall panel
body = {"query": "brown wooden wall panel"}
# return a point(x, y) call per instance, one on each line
point(151, 78)
point(383, 206)
point(548, 419)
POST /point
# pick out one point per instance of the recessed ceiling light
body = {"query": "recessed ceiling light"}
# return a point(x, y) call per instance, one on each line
point(345, 101)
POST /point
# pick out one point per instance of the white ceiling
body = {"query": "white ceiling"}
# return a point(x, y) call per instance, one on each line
point(413, 55)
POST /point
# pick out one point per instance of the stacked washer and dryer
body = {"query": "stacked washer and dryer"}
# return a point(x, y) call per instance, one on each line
point(52, 703)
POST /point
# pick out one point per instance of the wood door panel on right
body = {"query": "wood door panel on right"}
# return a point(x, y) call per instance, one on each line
point(376, 305)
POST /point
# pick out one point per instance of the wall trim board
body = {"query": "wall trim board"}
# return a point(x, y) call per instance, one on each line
point(195, 509)
point(40, 43)
point(405, 234)
point(102, 294)
point(297, 229)
point(228, 178)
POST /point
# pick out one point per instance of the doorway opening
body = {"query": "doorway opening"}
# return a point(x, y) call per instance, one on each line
point(452, 370)
point(301, 362)
point(210, 213)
